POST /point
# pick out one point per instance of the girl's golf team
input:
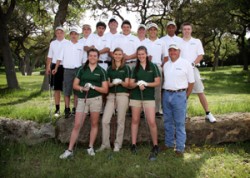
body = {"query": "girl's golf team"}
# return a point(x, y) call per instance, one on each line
point(130, 80)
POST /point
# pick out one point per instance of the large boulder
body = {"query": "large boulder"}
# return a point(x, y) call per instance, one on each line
point(232, 127)
point(27, 132)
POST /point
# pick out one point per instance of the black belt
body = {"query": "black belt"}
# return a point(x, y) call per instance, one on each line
point(180, 90)
point(72, 69)
point(107, 62)
point(130, 62)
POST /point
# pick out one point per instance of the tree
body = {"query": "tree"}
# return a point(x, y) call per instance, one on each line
point(6, 10)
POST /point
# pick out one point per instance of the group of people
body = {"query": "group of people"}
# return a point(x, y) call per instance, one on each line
point(144, 72)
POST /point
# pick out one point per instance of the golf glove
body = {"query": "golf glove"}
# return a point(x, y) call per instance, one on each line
point(142, 82)
point(87, 85)
point(117, 81)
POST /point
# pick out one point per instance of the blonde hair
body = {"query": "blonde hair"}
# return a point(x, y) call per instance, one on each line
point(113, 60)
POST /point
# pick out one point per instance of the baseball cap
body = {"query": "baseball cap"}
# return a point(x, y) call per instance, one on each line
point(112, 19)
point(86, 25)
point(73, 29)
point(174, 46)
point(171, 23)
point(142, 26)
point(152, 25)
point(59, 28)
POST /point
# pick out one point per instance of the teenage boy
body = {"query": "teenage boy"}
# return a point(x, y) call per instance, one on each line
point(86, 31)
point(141, 34)
point(56, 81)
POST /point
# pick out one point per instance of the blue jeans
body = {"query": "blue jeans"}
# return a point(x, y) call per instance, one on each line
point(174, 113)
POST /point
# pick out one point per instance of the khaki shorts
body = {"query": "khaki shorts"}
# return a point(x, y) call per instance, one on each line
point(138, 103)
point(198, 85)
point(91, 105)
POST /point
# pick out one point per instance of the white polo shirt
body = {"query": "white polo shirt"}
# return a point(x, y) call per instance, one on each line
point(171, 40)
point(143, 42)
point(128, 43)
point(157, 49)
point(100, 42)
point(111, 37)
point(71, 55)
point(191, 49)
point(83, 41)
point(54, 49)
point(177, 74)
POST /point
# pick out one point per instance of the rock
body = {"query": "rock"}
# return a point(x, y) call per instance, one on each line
point(234, 127)
point(24, 131)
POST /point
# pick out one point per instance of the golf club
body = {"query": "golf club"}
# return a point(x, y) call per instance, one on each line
point(50, 98)
point(152, 156)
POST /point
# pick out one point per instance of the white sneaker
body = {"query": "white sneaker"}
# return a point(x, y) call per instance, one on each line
point(210, 117)
point(91, 151)
point(102, 148)
point(116, 149)
point(66, 154)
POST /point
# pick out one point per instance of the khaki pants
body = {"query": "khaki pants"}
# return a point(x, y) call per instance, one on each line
point(158, 93)
point(121, 101)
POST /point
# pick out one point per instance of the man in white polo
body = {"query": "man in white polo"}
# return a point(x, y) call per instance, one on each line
point(101, 43)
point(86, 31)
point(141, 34)
point(56, 81)
point(171, 38)
point(192, 50)
point(157, 53)
point(178, 84)
point(71, 56)
point(128, 43)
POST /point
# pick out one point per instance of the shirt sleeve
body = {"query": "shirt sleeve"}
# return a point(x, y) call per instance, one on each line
point(104, 76)
point(60, 54)
point(164, 49)
point(200, 50)
point(50, 53)
point(127, 72)
point(132, 76)
point(156, 71)
point(79, 72)
point(190, 73)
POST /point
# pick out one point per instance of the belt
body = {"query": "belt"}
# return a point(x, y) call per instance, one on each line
point(130, 62)
point(180, 90)
point(107, 62)
point(72, 69)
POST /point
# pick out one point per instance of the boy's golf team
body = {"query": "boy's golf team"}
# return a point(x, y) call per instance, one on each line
point(151, 75)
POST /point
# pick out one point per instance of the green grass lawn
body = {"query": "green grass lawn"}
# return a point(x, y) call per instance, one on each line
point(227, 91)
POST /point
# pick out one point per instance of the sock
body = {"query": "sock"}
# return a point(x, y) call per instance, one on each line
point(57, 107)
point(207, 112)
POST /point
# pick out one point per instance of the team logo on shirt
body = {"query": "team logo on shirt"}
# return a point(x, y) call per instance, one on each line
point(96, 74)
point(122, 71)
point(159, 44)
point(178, 68)
point(192, 44)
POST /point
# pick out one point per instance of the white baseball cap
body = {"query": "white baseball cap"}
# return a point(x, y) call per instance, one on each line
point(153, 25)
point(171, 23)
point(174, 46)
point(73, 29)
point(142, 26)
point(59, 28)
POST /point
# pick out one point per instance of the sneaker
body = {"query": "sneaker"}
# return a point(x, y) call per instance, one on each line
point(133, 149)
point(91, 151)
point(179, 154)
point(116, 149)
point(155, 150)
point(57, 113)
point(73, 111)
point(66, 154)
point(102, 148)
point(158, 115)
point(210, 117)
point(67, 113)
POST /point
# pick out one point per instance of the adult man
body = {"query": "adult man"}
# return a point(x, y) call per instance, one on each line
point(141, 34)
point(56, 81)
point(178, 84)
point(192, 50)
point(128, 43)
point(71, 56)
point(86, 31)
point(157, 52)
point(171, 38)
point(101, 43)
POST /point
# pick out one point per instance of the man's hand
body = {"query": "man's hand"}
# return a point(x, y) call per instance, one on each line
point(54, 71)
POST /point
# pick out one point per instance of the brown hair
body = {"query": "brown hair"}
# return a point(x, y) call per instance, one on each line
point(113, 60)
point(186, 24)
point(142, 48)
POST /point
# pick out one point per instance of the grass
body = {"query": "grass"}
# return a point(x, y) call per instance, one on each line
point(229, 160)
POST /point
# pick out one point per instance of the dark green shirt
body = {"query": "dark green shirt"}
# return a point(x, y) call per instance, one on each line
point(96, 78)
point(148, 76)
point(121, 73)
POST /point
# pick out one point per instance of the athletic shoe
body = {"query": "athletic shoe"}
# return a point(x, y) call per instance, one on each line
point(57, 113)
point(73, 111)
point(133, 149)
point(102, 148)
point(66, 154)
point(158, 115)
point(116, 149)
point(210, 117)
point(179, 154)
point(155, 150)
point(91, 151)
point(67, 113)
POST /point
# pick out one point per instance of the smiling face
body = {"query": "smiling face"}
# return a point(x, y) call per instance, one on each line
point(100, 30)
point(74, 36)
point(113, 25)
point(142, 55)
point(93, 57)
point(174, 53)
point(187, 31)
point(86, 31)
point(141, 32)
point(126, 29)
point(171, 30)
point(59, 34)
point(118, 56)
point(152, 32)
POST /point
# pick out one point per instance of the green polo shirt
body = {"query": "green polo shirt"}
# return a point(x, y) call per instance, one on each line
point(121, 73)
point(96, 78)
point(148, 76)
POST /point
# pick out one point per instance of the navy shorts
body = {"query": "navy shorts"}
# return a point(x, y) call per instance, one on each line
point(56, 81)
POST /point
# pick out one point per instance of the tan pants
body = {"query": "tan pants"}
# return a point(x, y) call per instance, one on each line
point(121, 105)
point(158, 93)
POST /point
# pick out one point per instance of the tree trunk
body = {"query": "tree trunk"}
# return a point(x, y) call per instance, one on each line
point(244, 52)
